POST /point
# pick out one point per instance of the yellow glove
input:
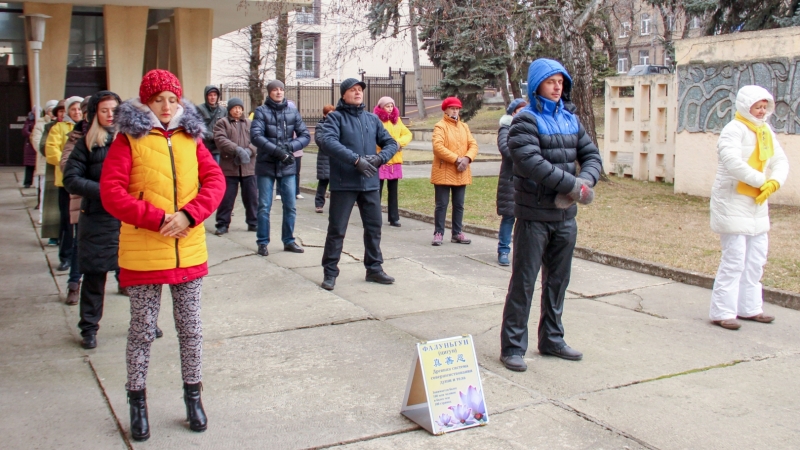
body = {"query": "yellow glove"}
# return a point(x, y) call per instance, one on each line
point(767, 189)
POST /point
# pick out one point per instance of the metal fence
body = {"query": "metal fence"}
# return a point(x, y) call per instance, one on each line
point(311, 98)
point(431, 76)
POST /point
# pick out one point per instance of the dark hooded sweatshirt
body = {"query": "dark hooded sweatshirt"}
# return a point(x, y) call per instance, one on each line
point(211, 114)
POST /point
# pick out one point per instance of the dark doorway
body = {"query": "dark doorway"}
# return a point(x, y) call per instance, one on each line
point(85, 81)
point(13, 110)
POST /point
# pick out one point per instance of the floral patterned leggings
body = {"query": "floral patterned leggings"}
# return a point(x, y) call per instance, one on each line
point(145, 305)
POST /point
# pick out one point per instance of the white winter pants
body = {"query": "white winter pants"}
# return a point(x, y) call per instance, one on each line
point(737, 288)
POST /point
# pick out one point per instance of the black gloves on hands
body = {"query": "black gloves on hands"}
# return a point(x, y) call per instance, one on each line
point(241, 157)
point(581, 192)
point(366, 169)
point(288, 157)
point(375, 160)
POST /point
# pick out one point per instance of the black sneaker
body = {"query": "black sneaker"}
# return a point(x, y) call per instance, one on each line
point(252, 228)
point(89, 342)
point(328, 283)
point(262, 250)
point(379, 277)
point(221, 230)
point(293, 248)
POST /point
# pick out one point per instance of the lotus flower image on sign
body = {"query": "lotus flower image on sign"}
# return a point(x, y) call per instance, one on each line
point(444, 391)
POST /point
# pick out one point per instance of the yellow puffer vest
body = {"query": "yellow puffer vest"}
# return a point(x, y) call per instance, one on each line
point(165, 174)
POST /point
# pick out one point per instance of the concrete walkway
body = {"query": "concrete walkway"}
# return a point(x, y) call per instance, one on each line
point(289, 365)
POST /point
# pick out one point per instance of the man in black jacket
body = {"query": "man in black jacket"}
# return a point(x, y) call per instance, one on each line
point(350, 137)
point(277, 132)
point(545, 140)
point(211, 112)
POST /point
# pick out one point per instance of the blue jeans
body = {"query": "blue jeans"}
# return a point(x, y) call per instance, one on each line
point(286, 188)
point(504, 235)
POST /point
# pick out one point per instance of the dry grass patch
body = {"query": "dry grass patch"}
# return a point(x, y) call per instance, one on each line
point(640, 220)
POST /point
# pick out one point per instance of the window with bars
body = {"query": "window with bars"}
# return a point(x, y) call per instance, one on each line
point(644, 29)
point(625, 29)
point(309, 15)
point(670, 25)
point(307, 55)
point(694, 23)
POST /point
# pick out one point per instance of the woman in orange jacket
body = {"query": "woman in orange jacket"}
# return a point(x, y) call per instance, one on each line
point(454, 149)
point(161, 182)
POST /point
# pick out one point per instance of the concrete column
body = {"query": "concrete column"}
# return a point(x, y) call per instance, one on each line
point(54, 53)
point(164, 36)
point(125, 31)
point(150, 51)
point(193, 32)
point(173, 48)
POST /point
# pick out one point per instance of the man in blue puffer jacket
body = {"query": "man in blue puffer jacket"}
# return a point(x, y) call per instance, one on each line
point(277, 132)
point(546, 140)
point(350, 137)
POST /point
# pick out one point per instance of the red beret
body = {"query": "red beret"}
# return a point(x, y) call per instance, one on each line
point(451, 101)
point(159, 80)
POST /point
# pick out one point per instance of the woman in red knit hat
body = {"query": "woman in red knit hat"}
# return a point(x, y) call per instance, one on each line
point(454, 149)
point(161, 182)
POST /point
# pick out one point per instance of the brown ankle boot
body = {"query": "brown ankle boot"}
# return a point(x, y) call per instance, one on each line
point(73, 293)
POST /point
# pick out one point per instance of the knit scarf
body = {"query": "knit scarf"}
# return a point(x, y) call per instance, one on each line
point(762, 153)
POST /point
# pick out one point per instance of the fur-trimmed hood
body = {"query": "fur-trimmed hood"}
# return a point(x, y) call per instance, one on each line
point(136, 119)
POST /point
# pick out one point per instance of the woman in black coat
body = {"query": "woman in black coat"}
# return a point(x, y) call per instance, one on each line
point(505, 184)
point(323, 167)
point(98, 231)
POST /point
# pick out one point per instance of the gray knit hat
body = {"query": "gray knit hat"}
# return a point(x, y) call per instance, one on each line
point(275, 84)
point(235, 101)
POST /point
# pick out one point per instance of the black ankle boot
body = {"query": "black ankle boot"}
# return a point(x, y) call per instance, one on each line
point(140, 426)
point(194, 407)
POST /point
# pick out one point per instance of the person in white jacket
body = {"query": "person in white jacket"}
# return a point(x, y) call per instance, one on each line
point(752, 166)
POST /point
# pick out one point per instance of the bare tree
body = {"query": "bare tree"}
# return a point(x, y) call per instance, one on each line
point(422, 112)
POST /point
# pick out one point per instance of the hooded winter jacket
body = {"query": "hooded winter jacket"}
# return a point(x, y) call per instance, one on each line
point(276, 124)
point(451, 140)
point(545, 142)
point(149, 172)
point(731, 212)
point(36, 138)
point(347, 134)
point(230, 133)
point(505, 182)
point(211, 114)
point(73, 137)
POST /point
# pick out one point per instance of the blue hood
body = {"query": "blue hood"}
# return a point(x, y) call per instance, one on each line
point(542, 69)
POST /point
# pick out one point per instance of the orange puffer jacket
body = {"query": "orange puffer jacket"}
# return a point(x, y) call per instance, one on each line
point(451, 140)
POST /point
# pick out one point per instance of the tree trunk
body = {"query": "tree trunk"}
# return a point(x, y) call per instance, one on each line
point(506, 82)
point(513, 81)
point(254, 77)
point(412, 19)
point(575, 55)
point(282, 45)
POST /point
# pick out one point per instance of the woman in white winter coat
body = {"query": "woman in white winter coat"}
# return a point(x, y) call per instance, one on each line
point(752, 166)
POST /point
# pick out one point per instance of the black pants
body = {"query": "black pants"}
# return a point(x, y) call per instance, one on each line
point(93, 291)
point(548, 245)
point(442, 199)
point(394, 212)
point(319, 199)
point(297, 175)
point(249, 199)
point(369, 206)
point(28, 181)
point(66, 230)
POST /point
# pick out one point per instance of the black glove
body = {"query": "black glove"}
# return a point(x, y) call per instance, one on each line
point(366, 169)
point(288, 158)
point(375, 160)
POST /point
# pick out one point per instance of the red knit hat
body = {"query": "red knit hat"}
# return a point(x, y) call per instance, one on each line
point(451, 101)
point(156, 81)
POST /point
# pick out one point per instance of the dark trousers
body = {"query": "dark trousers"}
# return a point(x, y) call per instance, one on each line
point(369, 206)
point(74, 267)
point(66, 230)
point(93, 291)
point(28, 181)
point(319, 199)
point(548, 245)
point(442, 199)
point(394, 212)
point(249, 199)
point(297, 161)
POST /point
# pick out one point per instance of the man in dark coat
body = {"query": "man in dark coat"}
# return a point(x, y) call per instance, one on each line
point(238, 164)
point(211, 113)
point(545, 141)
point(350, 136)
point(505, 183)
point(277, 132)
